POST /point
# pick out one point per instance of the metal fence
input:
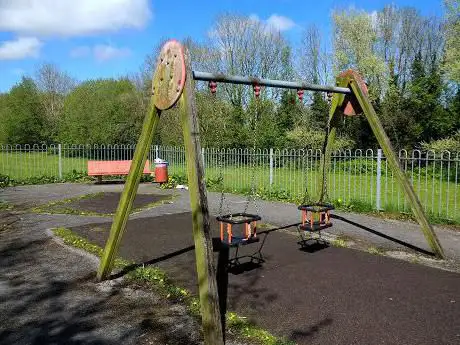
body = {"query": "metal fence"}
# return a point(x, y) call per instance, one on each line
point(355, 177)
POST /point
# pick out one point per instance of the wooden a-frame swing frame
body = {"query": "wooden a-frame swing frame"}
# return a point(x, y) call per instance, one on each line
point(181, 92)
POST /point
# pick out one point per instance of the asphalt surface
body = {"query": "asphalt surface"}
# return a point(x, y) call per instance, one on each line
point(48, 295)
point(107, 202)
point(278, 213)
point(328, 296)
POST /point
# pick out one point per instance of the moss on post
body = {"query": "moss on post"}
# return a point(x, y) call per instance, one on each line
point(393, 162)
point(209, 301)
point(129, 193)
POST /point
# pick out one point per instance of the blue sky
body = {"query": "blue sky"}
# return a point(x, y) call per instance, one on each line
point(110, 38)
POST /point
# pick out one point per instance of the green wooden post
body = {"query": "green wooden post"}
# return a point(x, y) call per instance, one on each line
point(387, 148)
point(209, 301)
point(129, 192)
point(334, 117)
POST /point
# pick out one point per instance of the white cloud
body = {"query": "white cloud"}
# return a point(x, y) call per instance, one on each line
point(72, 18)
point(21, 48)
point(274, 22)
point(101, 52)
point(80, 52)
point(280, 23)
point(107, 52)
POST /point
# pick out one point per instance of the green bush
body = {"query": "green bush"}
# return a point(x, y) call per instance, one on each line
point(451, 144)
point(174, 180)
point(4, 181)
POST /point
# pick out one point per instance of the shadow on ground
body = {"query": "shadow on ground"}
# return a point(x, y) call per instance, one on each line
point(49, 296)
point(385, 236)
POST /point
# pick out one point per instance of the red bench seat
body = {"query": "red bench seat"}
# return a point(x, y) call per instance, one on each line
point(107, 168)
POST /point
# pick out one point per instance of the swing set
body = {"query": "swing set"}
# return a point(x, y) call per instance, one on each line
point(173, 84)
point(315, 216)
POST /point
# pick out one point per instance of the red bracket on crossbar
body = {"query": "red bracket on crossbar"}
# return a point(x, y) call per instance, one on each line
point(213, 86)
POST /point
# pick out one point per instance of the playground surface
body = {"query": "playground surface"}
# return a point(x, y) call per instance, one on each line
point(48, 296)
point(328, 296)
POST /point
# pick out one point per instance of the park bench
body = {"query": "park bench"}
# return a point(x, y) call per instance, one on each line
point(110, 168)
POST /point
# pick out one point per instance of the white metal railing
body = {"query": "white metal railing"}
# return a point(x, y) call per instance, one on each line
point(355, 176)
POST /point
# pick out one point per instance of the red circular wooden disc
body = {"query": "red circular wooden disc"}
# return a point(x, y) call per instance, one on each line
point(169, 78)
point(351, 106)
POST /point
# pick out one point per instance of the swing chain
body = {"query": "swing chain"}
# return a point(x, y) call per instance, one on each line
point(252, 194)
point(222, 193)
point(324, 193)
point(213, 88)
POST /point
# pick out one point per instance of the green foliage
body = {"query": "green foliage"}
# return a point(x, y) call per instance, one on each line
point(401, 128)
point(319, 111)
point(100, 112)
point(375, 250)
point(452, 57)
point(174, 180)
point(451, 144)
point(308, 138)
point(423, 103)
point(4, 206)
point(353, 206)
point(216, 127)
point(355, 39)
point(21, 115)
point(397, 50)
point(73, 176)
point(4, 181)
point(4, 115)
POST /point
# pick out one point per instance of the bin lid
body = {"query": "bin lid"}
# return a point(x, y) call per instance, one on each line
point(160, 161)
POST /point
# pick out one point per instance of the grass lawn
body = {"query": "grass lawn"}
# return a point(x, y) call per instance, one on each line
point(440, 198)
point(21, 166)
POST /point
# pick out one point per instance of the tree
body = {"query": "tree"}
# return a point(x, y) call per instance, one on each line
point(53, 85)
point(23, 115)
point(355, 46)
point(3, 117)
point(401, 129)
point(454, 109)
point(387, 30)
point(100, 112)
point(452, 56)
point(423, 103)
point(314, 62)
point(241, 45)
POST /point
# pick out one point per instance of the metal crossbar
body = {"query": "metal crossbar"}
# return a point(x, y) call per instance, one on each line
point(283, 84)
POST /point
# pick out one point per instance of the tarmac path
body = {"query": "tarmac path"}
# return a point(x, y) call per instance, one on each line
point(328, 296)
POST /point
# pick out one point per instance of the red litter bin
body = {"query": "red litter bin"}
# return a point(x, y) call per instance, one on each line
point(161, 170)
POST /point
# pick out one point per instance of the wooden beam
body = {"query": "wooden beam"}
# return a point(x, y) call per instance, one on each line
point(209, 301)
point(393, 162)
point(129, 192)
point(333, 121)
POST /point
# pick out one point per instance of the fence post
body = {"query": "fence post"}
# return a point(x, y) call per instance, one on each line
point(271, 167)
point(156, 151)
point(378, 205)
point(60, 160)
point(204, 161)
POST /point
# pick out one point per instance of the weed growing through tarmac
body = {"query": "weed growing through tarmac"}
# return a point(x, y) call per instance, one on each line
point(375, 250)
point(4, 206)
point(342, 241)
point(339, 243)
point(157, 279)
point(61, 206)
